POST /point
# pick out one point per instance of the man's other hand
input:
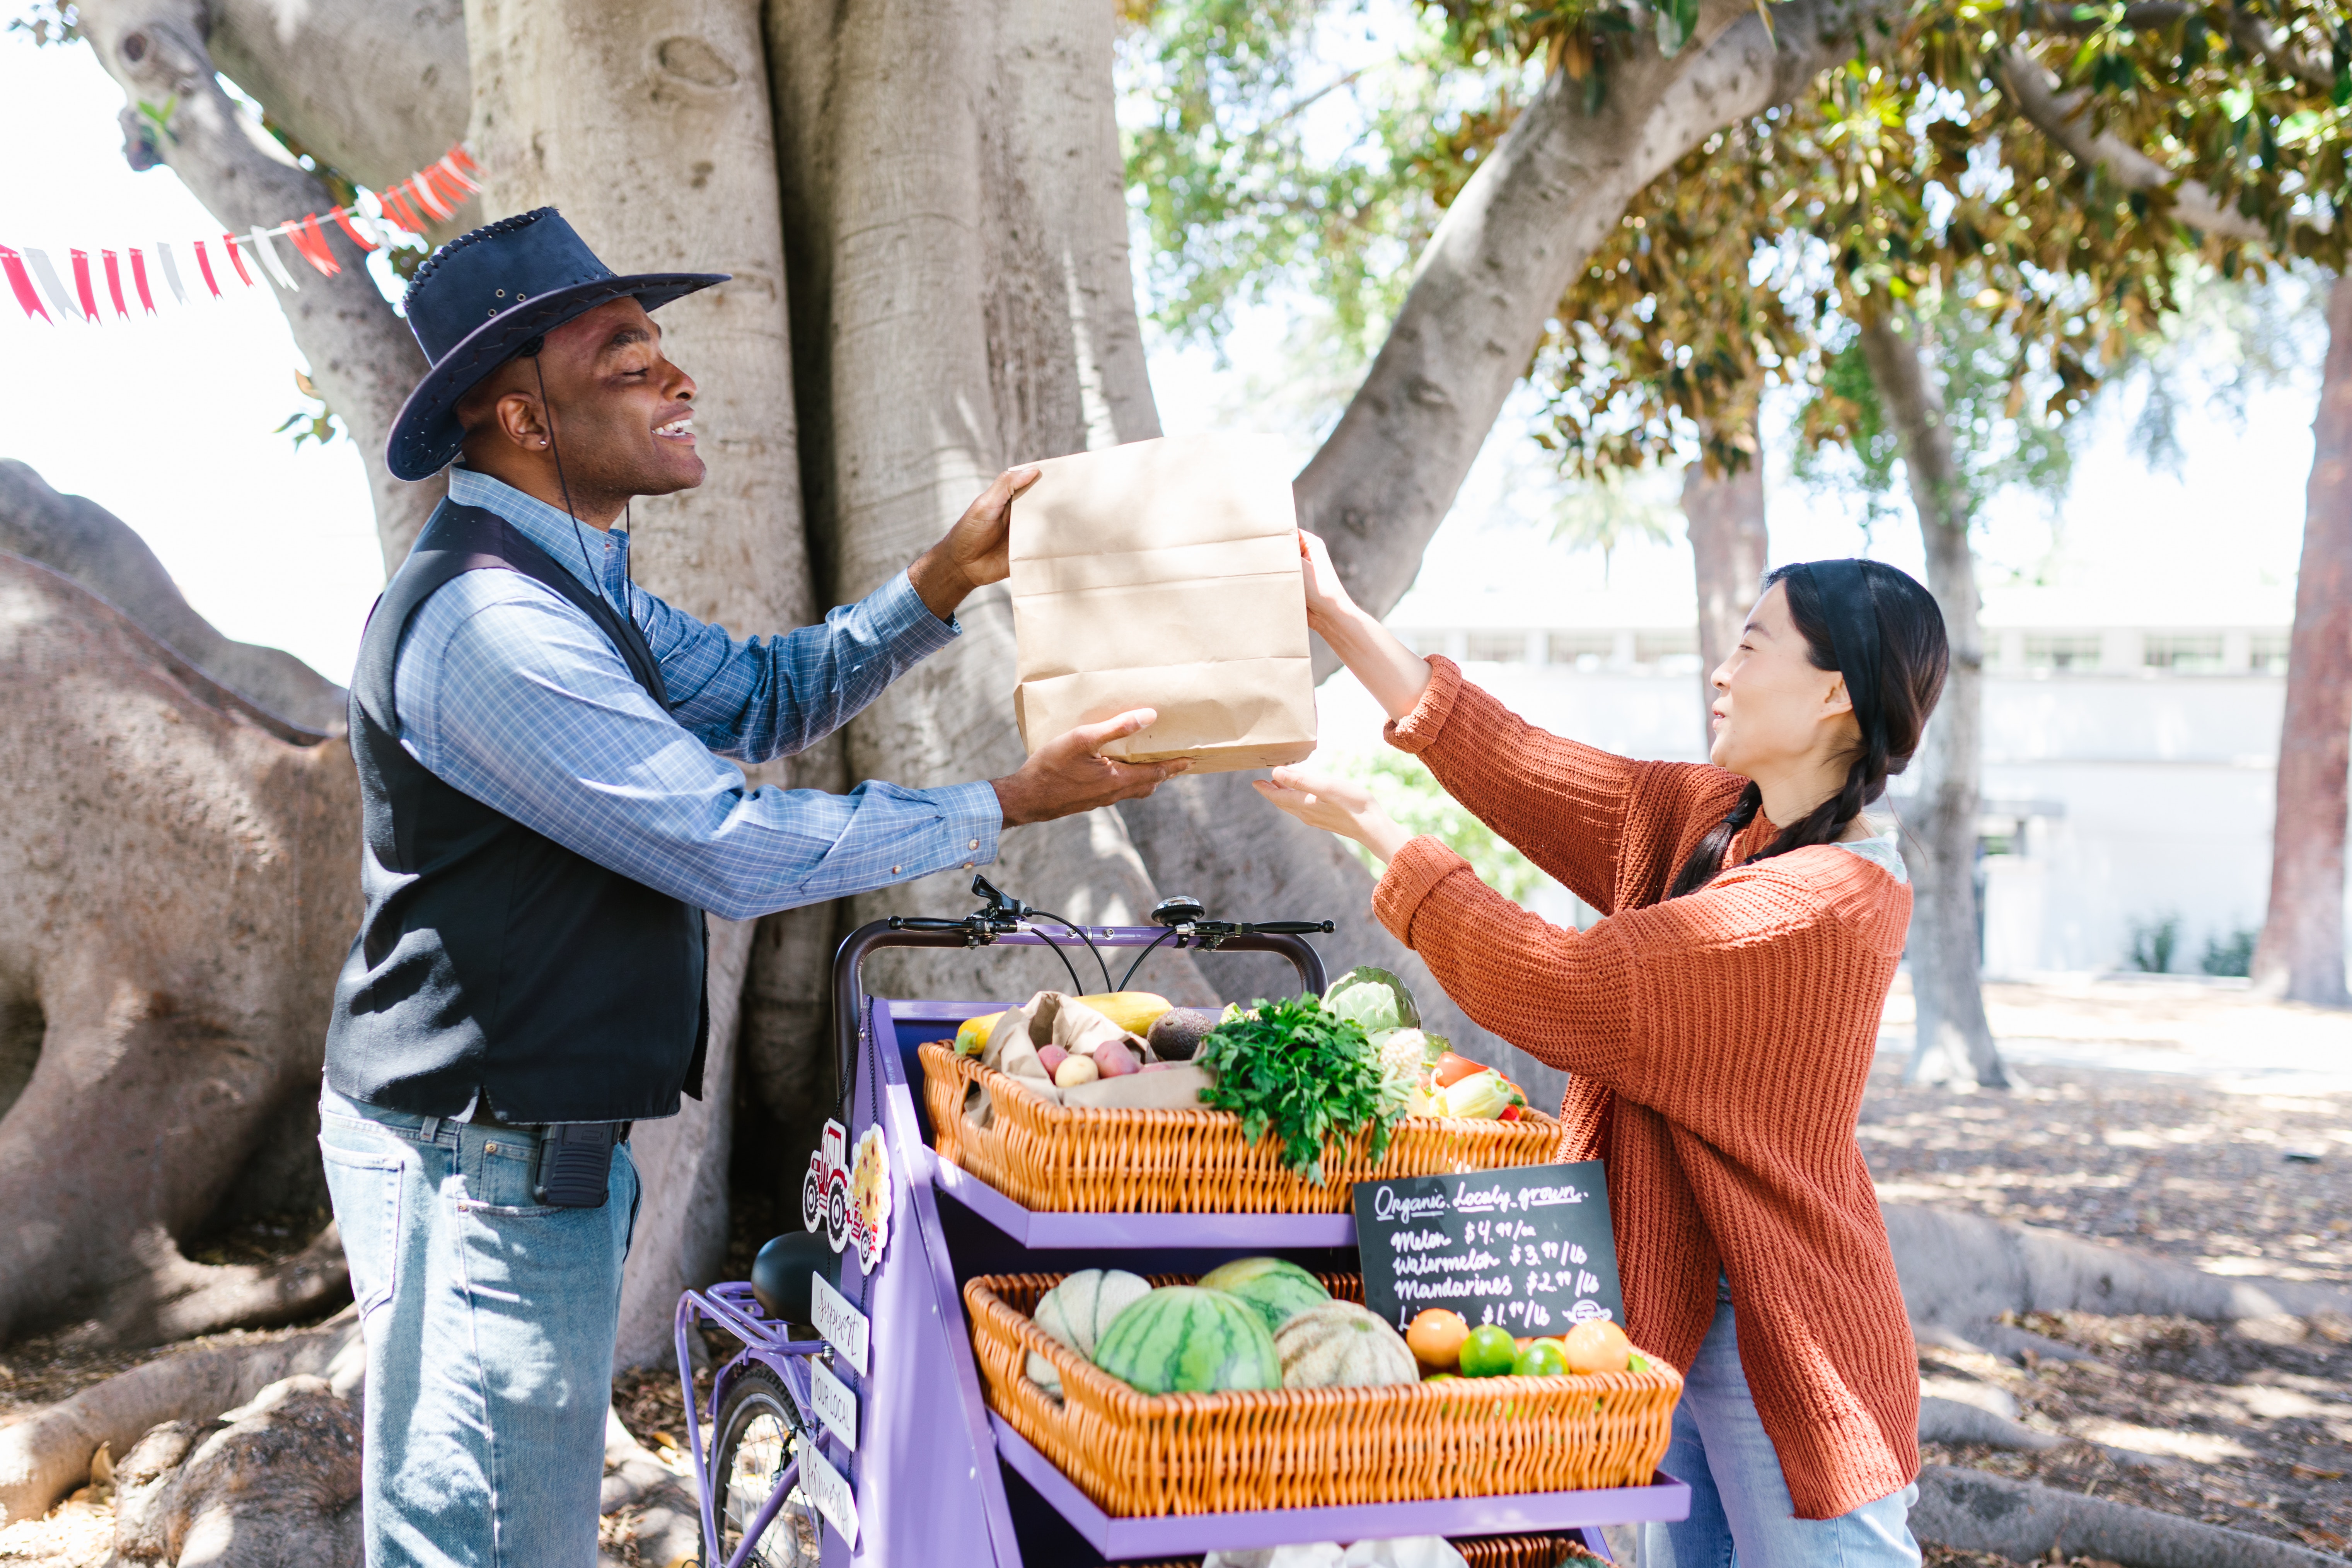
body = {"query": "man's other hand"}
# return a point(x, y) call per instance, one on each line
point(976, 550)
point(1070, 774)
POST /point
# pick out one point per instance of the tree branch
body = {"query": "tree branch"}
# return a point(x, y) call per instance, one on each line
point(1495, 270)
point(2033, 90)
point(363, 357)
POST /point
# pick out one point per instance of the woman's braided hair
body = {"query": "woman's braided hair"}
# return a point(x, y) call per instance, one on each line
point(1894, 655)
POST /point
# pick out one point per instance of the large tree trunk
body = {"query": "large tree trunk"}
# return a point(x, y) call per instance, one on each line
point(1724, 515)
point(2301, 954)
point(1955, 1043)
point(651, 124)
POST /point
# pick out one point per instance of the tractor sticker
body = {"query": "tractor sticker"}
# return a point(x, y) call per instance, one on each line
point(849, 1198)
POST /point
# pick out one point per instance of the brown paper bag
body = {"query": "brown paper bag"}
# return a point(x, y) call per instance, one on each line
point(1165, 574)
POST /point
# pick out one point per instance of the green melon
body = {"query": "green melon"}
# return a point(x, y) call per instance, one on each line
point(1276, 1290)
point(1182, 1339)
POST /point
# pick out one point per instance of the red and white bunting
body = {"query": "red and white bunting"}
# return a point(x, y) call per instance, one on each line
point(429, 195)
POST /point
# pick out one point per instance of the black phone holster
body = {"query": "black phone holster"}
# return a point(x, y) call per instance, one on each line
point(575, 1163)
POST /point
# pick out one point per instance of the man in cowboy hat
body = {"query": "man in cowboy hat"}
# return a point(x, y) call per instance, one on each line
point(545, 827)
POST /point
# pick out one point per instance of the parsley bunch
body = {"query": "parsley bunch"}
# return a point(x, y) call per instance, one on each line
point(1304, 1072)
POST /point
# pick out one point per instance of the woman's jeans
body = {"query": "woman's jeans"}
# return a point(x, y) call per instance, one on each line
point(490, 1322)
point(1740, 1509)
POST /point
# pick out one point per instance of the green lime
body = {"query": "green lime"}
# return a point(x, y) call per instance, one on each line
point(1542, 1359)
point(1489, 1352)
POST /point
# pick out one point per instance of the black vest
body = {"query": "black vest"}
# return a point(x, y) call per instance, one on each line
point(491, 957)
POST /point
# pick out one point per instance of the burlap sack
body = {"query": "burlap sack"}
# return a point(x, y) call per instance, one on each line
point(1165, 574)
point(1055, 1019)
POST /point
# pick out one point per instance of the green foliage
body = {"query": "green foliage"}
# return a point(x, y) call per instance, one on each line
point(1847, 443)
point(1305, 1073)
point(1256, 161)
point(2234, 956)
point(1610, 510)
point(2153, 944)
point(1408, 792)
point(321, 426)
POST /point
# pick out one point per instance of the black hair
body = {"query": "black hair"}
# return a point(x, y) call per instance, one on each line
point(1911, 656)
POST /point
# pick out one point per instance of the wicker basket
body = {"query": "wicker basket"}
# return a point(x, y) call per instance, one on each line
point(1138, 1455)
point(1053, 1158)
point(1478, 1551)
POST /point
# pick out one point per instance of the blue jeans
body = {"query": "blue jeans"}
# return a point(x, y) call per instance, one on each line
point(490, 1322)
point(1740, 1509)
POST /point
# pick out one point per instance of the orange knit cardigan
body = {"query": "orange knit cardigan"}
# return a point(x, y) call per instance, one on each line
point(1717, 1045)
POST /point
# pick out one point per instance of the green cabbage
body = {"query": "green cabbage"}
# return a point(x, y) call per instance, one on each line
point(1374, 999)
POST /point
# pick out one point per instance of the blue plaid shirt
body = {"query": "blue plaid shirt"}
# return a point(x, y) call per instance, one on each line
point(508, 692)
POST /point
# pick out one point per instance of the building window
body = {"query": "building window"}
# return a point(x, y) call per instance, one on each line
point(1670, 653)
point(2062, 650)
point(1582, 650)
point(2197, 654)
point(2266, 653)
point(1499, 647)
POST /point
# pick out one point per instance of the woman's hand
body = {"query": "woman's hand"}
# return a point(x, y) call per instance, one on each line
point(1392, 672)
point(1335, 805)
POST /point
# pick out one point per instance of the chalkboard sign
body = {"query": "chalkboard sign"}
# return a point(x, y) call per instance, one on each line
point(1529, 1247)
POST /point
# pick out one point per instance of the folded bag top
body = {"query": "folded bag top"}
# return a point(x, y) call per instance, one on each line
point(1165, 574)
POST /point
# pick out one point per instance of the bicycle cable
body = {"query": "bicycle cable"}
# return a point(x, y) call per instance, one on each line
point(1080, 931)
point(1139, 957)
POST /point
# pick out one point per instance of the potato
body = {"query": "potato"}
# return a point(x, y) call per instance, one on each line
point(1076, 1070)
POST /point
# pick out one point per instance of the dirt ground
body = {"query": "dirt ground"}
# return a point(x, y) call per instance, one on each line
point(2180, 1117)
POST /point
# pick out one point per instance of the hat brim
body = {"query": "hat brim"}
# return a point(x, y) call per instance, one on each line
point(426, 436)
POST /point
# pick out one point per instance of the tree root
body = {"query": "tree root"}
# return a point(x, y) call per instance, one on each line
point(1967, 1272)
point(46, 1456)
point(1978, 1513)
point(176, 1299)
point(272, 1484)
point(653, 1507)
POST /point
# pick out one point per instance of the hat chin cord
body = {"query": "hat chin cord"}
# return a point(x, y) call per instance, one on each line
point(530, 351)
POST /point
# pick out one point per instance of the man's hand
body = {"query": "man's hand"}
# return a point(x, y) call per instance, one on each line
point(976, 550)
point(1069, 774)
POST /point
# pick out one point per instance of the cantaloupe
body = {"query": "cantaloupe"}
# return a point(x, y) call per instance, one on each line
point(1077, 1310)
point(1184, 1340)
point(1276, 1289)
point(1342, 1345)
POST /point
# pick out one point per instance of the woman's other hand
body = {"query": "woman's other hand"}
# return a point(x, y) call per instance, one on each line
point(1392, 672)
point(1335, 805)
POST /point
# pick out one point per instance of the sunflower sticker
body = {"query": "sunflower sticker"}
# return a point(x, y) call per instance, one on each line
point(869, 1198)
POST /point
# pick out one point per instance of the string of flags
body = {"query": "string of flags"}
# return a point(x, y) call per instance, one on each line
point(431, 194)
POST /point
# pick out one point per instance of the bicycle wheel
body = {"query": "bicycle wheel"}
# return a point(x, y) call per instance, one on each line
point(760, 1430)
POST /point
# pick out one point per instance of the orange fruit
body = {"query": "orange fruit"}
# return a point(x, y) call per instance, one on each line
point(1597, 1345)
point(1436, 1336)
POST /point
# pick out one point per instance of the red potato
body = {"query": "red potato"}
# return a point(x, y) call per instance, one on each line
point(1051, 1059)
point(1113, 1059)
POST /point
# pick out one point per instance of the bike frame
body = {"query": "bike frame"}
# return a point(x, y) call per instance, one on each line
point(766, 1343)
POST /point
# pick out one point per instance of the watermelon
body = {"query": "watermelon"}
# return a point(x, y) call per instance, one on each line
point(1182, 1339)
point(1342, 1345)
point(1276, 1290)
point(1077, 1310)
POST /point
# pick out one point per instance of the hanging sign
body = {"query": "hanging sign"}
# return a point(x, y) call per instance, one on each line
point(842, 1326)
point(836, 1406)
point(830, 1490)
point(824, 1192)
point(869, 1198)
point(1530, 1249)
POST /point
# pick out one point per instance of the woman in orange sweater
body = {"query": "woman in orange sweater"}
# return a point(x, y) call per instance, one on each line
point(1718, 1025)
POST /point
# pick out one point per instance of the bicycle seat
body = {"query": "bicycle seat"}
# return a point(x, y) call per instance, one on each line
point(780, 1274)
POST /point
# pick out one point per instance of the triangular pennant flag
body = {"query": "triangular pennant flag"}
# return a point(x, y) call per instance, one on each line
point(357, 233)
point(396, 207)
point(50, 284)
point(313, 245)
point(419, 188)
point(114, 284)
point(236, 258)
point(273, 261)
point(205, 265)
point(463, 162)
point(445, 186)
point(138, 280)
point(172, 271)
point(19, 282)
point(450, 165)
point(82, 290)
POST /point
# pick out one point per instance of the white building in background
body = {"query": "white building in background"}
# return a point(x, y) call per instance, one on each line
point(2130, 746)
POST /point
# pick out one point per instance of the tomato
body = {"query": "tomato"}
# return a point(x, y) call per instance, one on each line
point(1597, 1345)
